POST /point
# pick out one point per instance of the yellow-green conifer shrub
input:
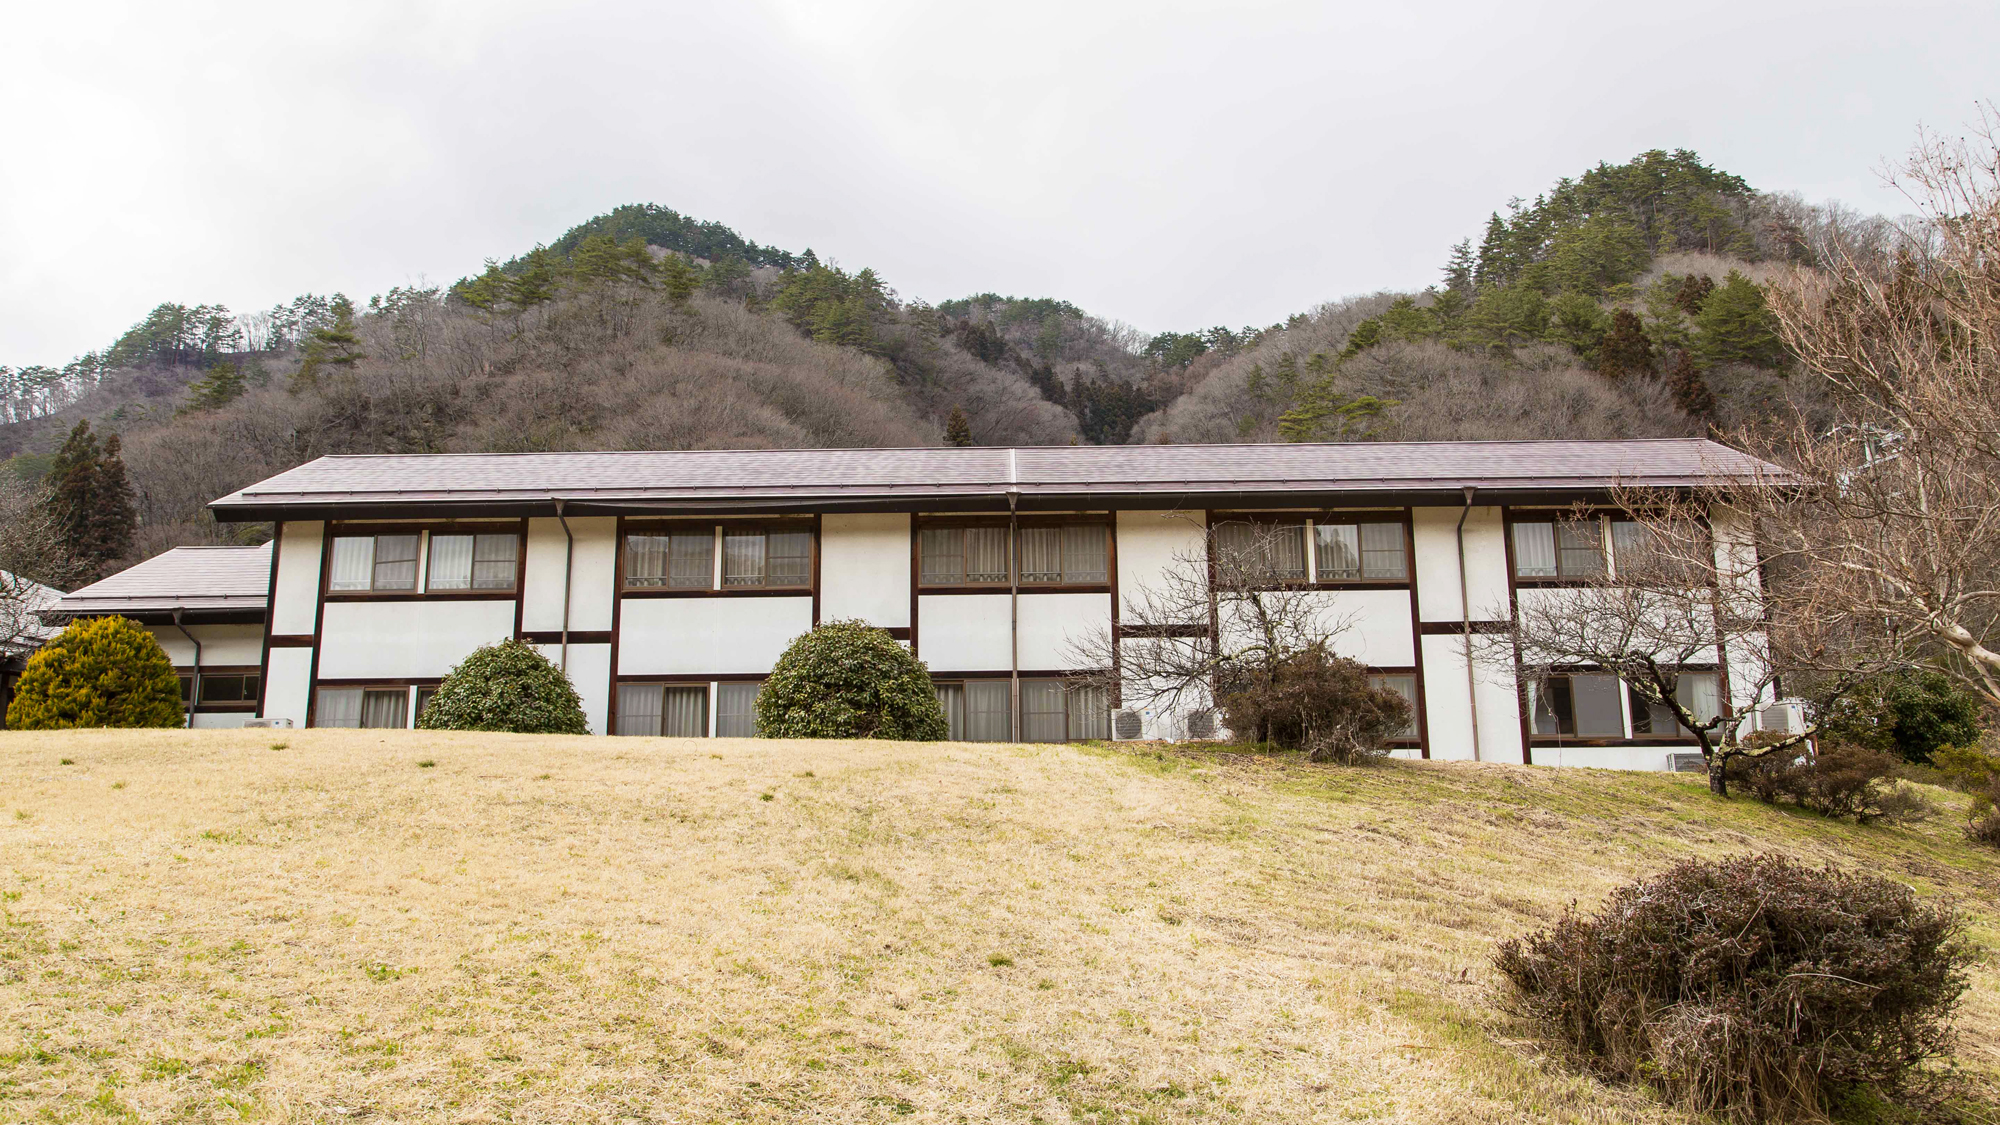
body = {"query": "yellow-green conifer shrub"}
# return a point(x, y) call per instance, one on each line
point(99, 672)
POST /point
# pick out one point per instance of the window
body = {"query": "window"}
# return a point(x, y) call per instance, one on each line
point(473, 562)
point(1263, 551)
point(672, 710)
point(1589, 705)
point(736, 709)
point(963, 556)
point(187, 689)
point(374, 562)
point(1699, 692)
point(229, 688)
point(767, 558)
point(424, 697)
point(1056, 710)
point(367, 708)
point(1071, 555)
point(680, 560)
point(1560, 549)
point(1405, 685)
point(1348, 552)
point(977, 710)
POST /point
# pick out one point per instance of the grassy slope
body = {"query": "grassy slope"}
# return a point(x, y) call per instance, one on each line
point(537, 929)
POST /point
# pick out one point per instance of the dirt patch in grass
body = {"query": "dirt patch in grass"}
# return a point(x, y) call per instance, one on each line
point(196, 926)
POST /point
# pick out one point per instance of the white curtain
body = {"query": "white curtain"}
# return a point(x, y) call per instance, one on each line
point(353, 562)
point(645, 560)
point(1041, 554)
point(1339, 549)
point(386, 710)
point(1089, 713)
point(788, 558)
point(338, 707)
point(736, 709)
point(693, 560)
point(988, 711)
point(1083, 553)
point(396, 562)
point(686, 712)
point(743, 560)
point(1701, 693)
point(943, 556)
point(1535, 550)
point(493, 561)
point(986, 554)
point(1043, 716)
point(951, 697)
point(639, 709)
point(1382, 550)
point(1405, 686)
point(451, 562)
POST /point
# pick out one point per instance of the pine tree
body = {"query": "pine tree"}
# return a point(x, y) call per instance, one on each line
point(679, 278)
point(1458, 270)
point(221, 386)
point(1693, 293)
point(1691, 391)
point(1625, 350)
point(958, 428)
point(1735, 325)
point(335, 345)
point(91, 500)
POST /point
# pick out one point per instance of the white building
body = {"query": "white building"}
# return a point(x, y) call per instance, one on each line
point(667, 584)
point(22, 631)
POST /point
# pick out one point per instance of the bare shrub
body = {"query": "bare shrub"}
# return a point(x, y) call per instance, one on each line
point(1752, 987)
point(1840, 780)
point(1322, 704)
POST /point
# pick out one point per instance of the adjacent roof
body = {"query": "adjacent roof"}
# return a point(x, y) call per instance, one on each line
point(525, 482)
point(22, 601)
point(197, 580)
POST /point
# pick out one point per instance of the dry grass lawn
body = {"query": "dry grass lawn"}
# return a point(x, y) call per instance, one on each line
point(337, 926)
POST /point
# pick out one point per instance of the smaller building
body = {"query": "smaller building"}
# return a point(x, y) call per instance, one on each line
point(206, 606)
point(22, 631)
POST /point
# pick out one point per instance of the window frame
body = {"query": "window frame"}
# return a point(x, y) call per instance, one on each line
point(424, 531)
point(719, 531)
point(711, 686)
point(252, 674)
point(1312, 520)
point(1418, 736)
point(1073, 686)
point(1107, 521)
point(1628, 733)
point(1606, 518)
point(409, 687)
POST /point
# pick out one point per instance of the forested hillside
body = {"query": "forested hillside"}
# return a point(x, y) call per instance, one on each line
point(1626, 302)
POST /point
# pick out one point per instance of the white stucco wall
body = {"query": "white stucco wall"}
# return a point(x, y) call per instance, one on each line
point(590, 673)
point(1450, 719)
point(865, 568)
point(1434, 532)
point(221, 645)
point(593, 582)
point(410, 639)
point(297, 597)
point(1050, 622)
point(288, 684)
point(667, 636)
point(964, 632)
point(1148, 543)
point(1373, 625)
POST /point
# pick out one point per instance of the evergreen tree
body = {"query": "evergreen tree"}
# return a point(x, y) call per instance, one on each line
point(222, 385)
point(958, 428)
point(1459, 269)
point(335, 345)
point(1735, 325)
point(1691, 391)
point(536, 280)
point(90, 499)
point(680, 278)
point(1693, 293)
point(1625, 349)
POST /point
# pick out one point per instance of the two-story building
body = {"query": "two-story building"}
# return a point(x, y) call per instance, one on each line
point(666, 584)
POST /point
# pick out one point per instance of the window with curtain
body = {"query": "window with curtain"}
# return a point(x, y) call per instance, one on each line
point(963, 556)
point(424, 696)
point(1044, 711)
point(672, 710)
point(1579, 705)
point(1405, 685)
point(374, 562)
point(1349, 552)
point(473, 562)
point(1558, 548)
point(989, 711)
point(951, 699)
point(1266, 552)
point(736, 709)
point(1070, 555)
point(678, 560)
point(366, 708)
point(772, 558)
point(639, 709)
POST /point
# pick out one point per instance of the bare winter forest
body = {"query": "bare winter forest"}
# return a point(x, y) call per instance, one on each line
point(1626, 302)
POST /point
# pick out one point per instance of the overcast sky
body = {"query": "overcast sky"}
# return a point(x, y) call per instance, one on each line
point(1169, 165)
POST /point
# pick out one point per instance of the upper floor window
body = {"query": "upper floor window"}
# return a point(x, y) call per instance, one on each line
point(963, 556)
point(449, 561)
point(473, 562)
point(375, 562)
point(1067, 554)
point(1361, 551)
point(1331, 550)
point(1274, 552)
point(1076, 554)
point(697, 558)
point(1569, 548)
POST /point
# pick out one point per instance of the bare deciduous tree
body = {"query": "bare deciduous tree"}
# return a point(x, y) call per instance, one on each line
point(31, 560)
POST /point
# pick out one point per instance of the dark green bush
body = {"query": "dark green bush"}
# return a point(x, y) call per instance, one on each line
point(1840, 780)
point(506, 687)
point(1909, 714)
point(1317, 702)
point(848, 679)
point(1978, 773)
point(1752, 987)
point(99, 672)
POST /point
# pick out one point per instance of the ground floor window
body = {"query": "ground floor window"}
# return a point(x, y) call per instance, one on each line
point(682, 710)
point(1599, 705)
point(386, 708)
point(1053, 709)
point(1405, 685)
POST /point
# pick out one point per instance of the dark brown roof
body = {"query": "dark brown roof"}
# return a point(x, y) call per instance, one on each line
point(185, 578)
point(916, 476)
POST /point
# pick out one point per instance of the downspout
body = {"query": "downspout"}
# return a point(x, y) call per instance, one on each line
point(1013, 596)
point(1465, 620)
point(194, 688)
point(569, 558)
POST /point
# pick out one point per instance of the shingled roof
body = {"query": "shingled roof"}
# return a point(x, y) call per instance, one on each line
point(203, 581)
point(522, 482)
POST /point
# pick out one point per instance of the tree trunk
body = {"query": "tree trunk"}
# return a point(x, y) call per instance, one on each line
point(1718, 780)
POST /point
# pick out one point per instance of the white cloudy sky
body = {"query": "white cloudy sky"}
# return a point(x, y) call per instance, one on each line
point(1173, 165)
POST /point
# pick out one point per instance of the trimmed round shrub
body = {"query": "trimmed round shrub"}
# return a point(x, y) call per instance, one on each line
point(99, 672)
point(1753, 987)
point(506, 687)
point(848, 679)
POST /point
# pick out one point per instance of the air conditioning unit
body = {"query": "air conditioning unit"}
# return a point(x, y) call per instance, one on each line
point(1128, 724)
point(1200, 725)
point(281, 723)
point(1687, 763)
point(1786, 716)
